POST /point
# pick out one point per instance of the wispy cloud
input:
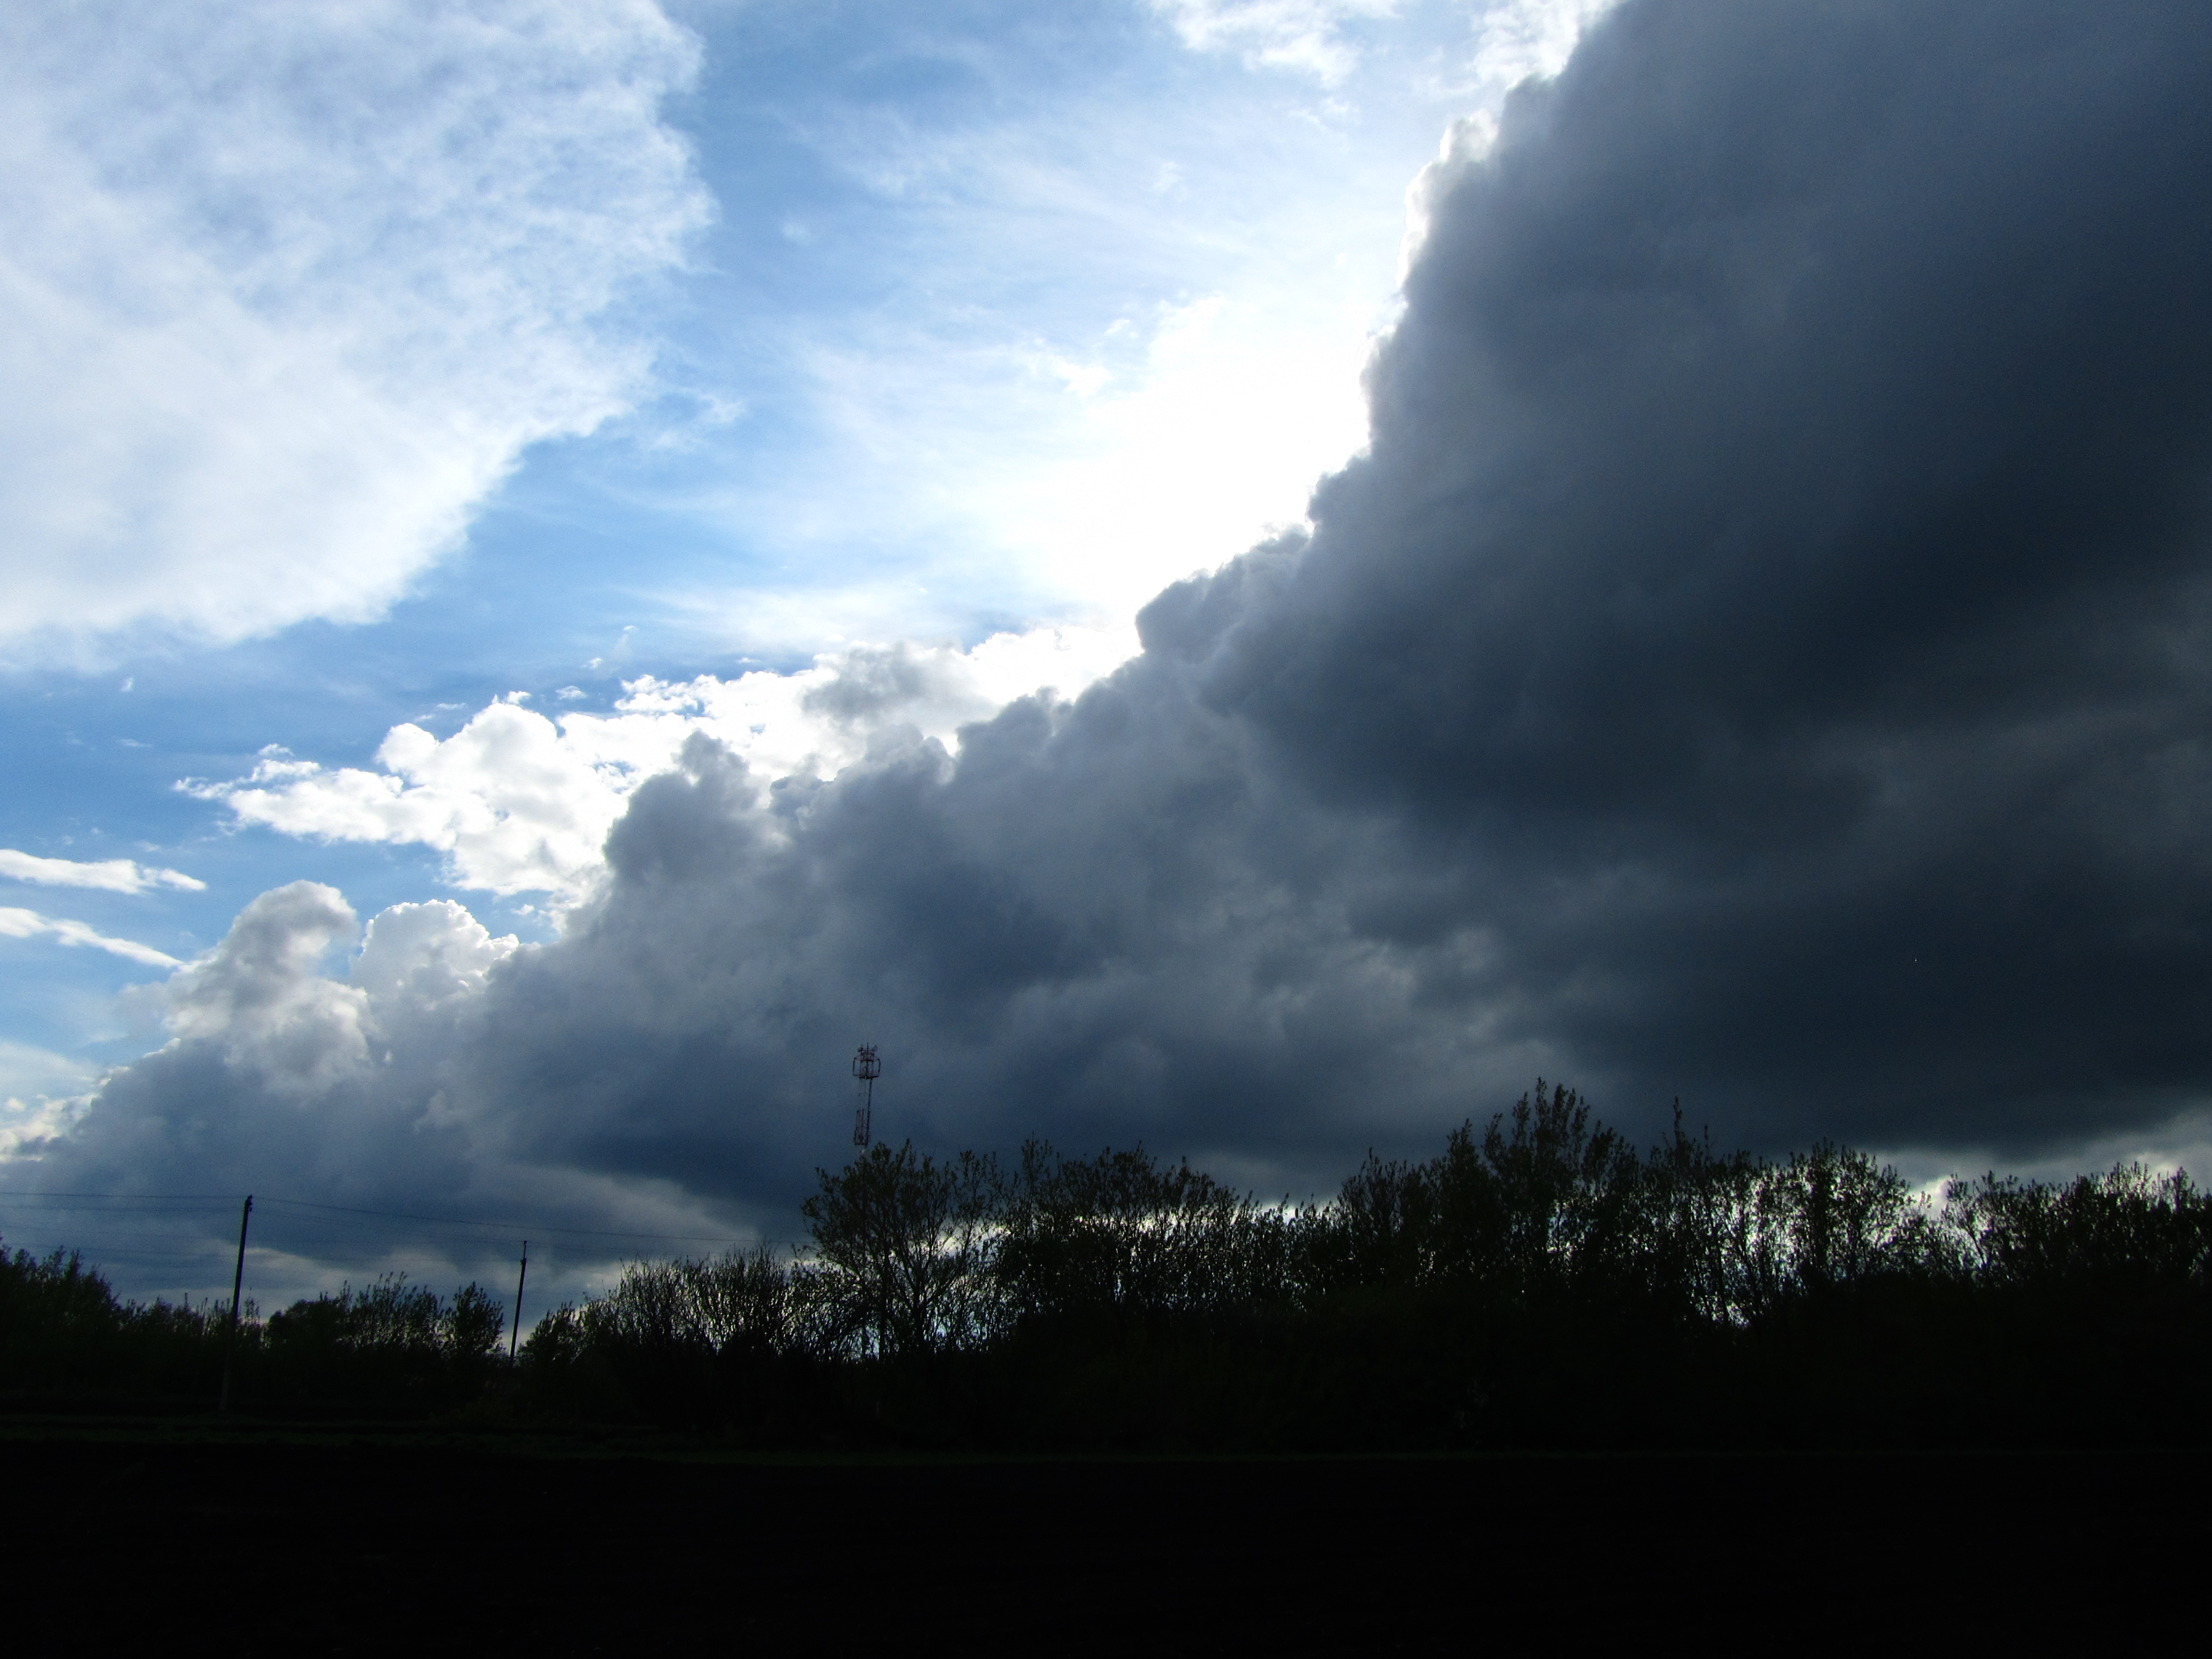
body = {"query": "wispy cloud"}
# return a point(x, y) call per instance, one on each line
point(107, 875)
point(1299, 34)
point(29, 924)
point(289, 289)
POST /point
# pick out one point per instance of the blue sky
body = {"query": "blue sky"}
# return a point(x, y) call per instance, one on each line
point(539, 533)
point(375, 369)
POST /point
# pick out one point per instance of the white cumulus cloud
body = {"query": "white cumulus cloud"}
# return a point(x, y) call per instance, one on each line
point(107, 875)
point(521, 802)
point(285, 289)
point(259, 993)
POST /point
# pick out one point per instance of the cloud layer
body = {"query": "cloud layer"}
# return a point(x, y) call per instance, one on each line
point(289, 289)
point(1762, 658)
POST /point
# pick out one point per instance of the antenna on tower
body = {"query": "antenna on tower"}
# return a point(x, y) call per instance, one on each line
point(866, 1068)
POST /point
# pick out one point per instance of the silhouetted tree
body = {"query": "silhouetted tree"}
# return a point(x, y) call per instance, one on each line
point(1121, 1233)
point(694, 1341)
point(2127, 1225)
point(59, 1321)
point(1541, 1196)
point(903, 1247)
point(392, 1316)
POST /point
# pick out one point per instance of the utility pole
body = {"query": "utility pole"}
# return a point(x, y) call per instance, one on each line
point(237, 1285)
point(519, 1279)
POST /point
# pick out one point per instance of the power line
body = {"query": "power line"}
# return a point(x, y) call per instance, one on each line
point(172, 1257)
point(396, 1215)
point(132, 1198)
point(144, 1204)
point(521, 1226)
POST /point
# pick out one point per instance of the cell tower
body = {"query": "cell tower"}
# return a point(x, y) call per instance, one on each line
point(866, 1068)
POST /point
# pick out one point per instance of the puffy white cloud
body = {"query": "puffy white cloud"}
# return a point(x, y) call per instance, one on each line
point(16, 923)
point(258, 993)
point(108, 875)
point(277, 998)
point(521, 803)
point(517, 804)
point(267, 999)
point(285, 289)
point(421, 955)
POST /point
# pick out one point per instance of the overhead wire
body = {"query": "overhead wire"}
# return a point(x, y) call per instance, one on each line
point(313, 1214)
point(532, 1227)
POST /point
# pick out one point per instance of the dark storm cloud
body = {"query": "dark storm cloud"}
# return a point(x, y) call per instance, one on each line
point(1763, 658)
point(1780, 573)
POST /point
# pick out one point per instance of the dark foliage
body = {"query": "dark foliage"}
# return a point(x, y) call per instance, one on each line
point(65, 1338)
point(393, 1345)
point(1539, 1282)
point(733, 1342)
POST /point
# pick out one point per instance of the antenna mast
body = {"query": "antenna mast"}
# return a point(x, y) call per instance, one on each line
point(866, 1068)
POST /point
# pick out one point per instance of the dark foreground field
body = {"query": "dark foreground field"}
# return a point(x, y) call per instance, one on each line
point(135, 1537)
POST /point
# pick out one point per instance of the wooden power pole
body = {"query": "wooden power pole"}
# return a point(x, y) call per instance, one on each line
point(516, 1336)
point(237, 1284)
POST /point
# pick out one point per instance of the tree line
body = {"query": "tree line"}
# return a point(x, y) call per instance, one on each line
point(68, 1340)
point(1540, 1281)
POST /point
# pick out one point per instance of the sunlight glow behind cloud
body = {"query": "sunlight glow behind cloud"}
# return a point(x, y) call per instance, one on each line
point(1238, 411)
point(1180, 394)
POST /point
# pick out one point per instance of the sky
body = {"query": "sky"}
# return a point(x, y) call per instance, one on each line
point(1250, 575)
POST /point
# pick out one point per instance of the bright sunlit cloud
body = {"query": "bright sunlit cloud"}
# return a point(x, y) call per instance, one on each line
point(521, 803)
